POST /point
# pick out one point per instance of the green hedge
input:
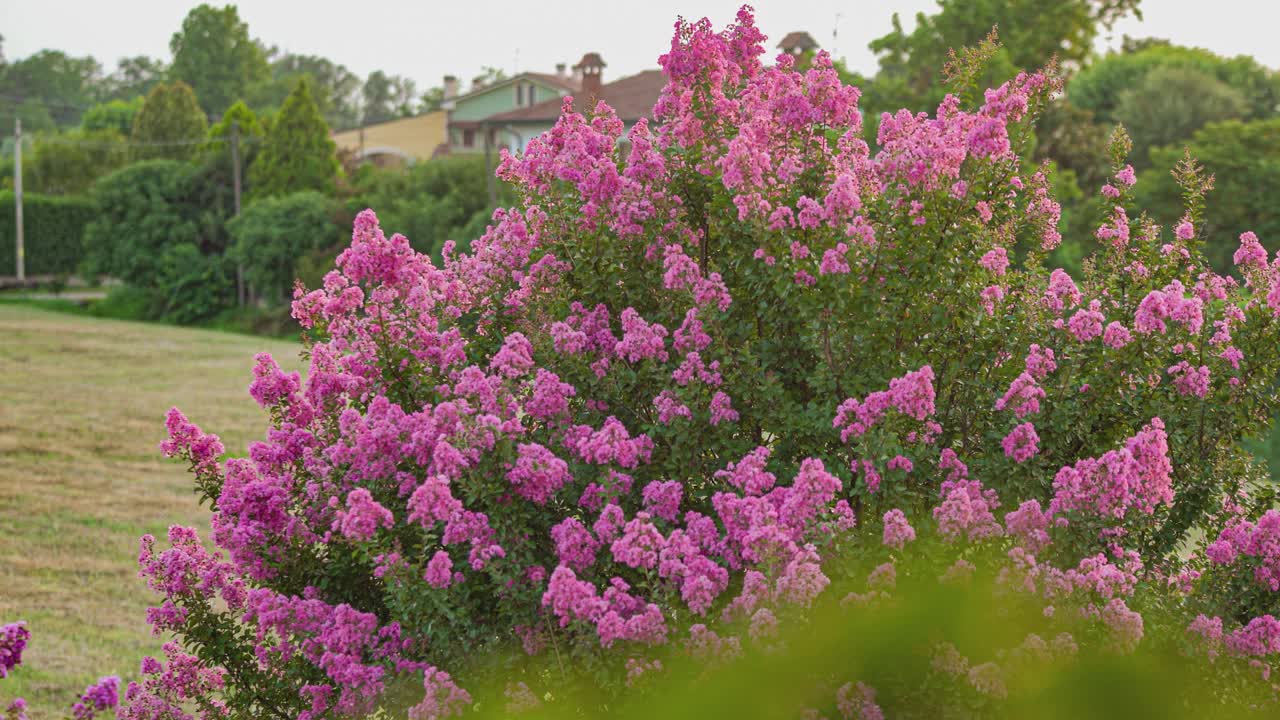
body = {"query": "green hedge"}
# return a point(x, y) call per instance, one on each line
point(54, 231)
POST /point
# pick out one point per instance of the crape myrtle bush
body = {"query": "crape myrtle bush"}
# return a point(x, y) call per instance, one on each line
point(696, 383)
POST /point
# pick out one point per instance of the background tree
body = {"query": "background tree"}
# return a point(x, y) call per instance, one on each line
point(1172, 102)
point(377, 95)
point(431, 99)
point(47, 89)
point(170, 123)
point(133, 77)
point(490, 75)
point(334, 87)
point(1073, 138)
point(1244, 158)
point(404, 96)
point(1099, 87)
point(214, 54)
point(215, 175)
point(386, 97)
point(115, 115)
point(297, 153)
point(1031, 33)
point(246, 123)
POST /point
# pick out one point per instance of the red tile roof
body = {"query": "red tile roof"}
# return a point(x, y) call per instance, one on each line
point(567, 83)
point(798, 39)
point(632, 97)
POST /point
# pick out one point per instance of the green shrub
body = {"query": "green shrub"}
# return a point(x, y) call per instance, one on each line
point(190, 286)
point(123, 302)
point(273, 233)
point(54, 230)
point(160, 229)
point(429, 203)
point(142, 210)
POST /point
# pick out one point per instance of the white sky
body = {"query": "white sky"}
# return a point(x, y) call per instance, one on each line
point(426, 39)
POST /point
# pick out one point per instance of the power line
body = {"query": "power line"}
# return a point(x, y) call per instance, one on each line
point(19, 99)
point(126, 142)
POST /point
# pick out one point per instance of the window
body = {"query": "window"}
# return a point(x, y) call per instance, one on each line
point(468, 138)
point(519, 95)
point(531, 94)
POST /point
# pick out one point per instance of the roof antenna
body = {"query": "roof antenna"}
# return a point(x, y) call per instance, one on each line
point(516, 63)
point(835, 29)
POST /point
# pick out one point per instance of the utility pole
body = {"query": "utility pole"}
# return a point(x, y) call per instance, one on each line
point(235, 184)
point(19, 250)
point(488, 167)
point(835, 30)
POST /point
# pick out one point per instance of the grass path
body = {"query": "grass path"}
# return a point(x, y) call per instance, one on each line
point(82, 404)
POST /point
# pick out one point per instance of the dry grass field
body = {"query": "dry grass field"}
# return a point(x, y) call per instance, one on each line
point(82, 404)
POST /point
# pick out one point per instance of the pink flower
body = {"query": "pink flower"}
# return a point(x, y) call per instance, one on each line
point(439, 570)
point(662, 499)
point(1022, 443)
point(13, 640)
point(1190, 380)
point(1135, 477)
point(990, 296)
point(1023, 396)
point(575, 546)
point(966, 511)
point(996, 260)
point(722, 409)
point(1116, 335)
point(538, 473)
point(988, 679)
point(1086, 325)
point(897, 531)
point(1029, 525)
point(362, 516)
point(1062, 291)
point(1250, 254)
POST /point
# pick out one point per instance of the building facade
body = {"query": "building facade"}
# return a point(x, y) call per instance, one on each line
point(468, 111)
point(631, 97)
point(399, 141)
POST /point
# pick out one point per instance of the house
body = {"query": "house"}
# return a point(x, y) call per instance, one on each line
point(798, 43)
point(403, 140)
point(467, 111)
point(632, 97)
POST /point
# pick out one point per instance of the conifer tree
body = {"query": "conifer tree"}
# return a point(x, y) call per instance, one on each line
point(170, 124)
point(298, 153)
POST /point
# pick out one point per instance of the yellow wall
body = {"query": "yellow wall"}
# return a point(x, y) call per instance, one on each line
point(416, 136)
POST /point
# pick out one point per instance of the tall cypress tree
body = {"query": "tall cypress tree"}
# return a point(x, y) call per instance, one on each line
point(298, 153)
point(170, 124)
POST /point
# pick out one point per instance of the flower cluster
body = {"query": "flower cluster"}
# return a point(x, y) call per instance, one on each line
point(13, 640)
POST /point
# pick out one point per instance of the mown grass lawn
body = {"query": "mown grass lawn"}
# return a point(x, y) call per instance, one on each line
point(82, 404)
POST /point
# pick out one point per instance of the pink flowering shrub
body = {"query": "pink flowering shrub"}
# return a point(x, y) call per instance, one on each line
point(711, 372)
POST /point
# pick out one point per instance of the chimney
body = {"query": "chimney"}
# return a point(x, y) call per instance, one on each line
point(477, 82)
point(562, 70)
point(450, 87)
point(592, 68)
